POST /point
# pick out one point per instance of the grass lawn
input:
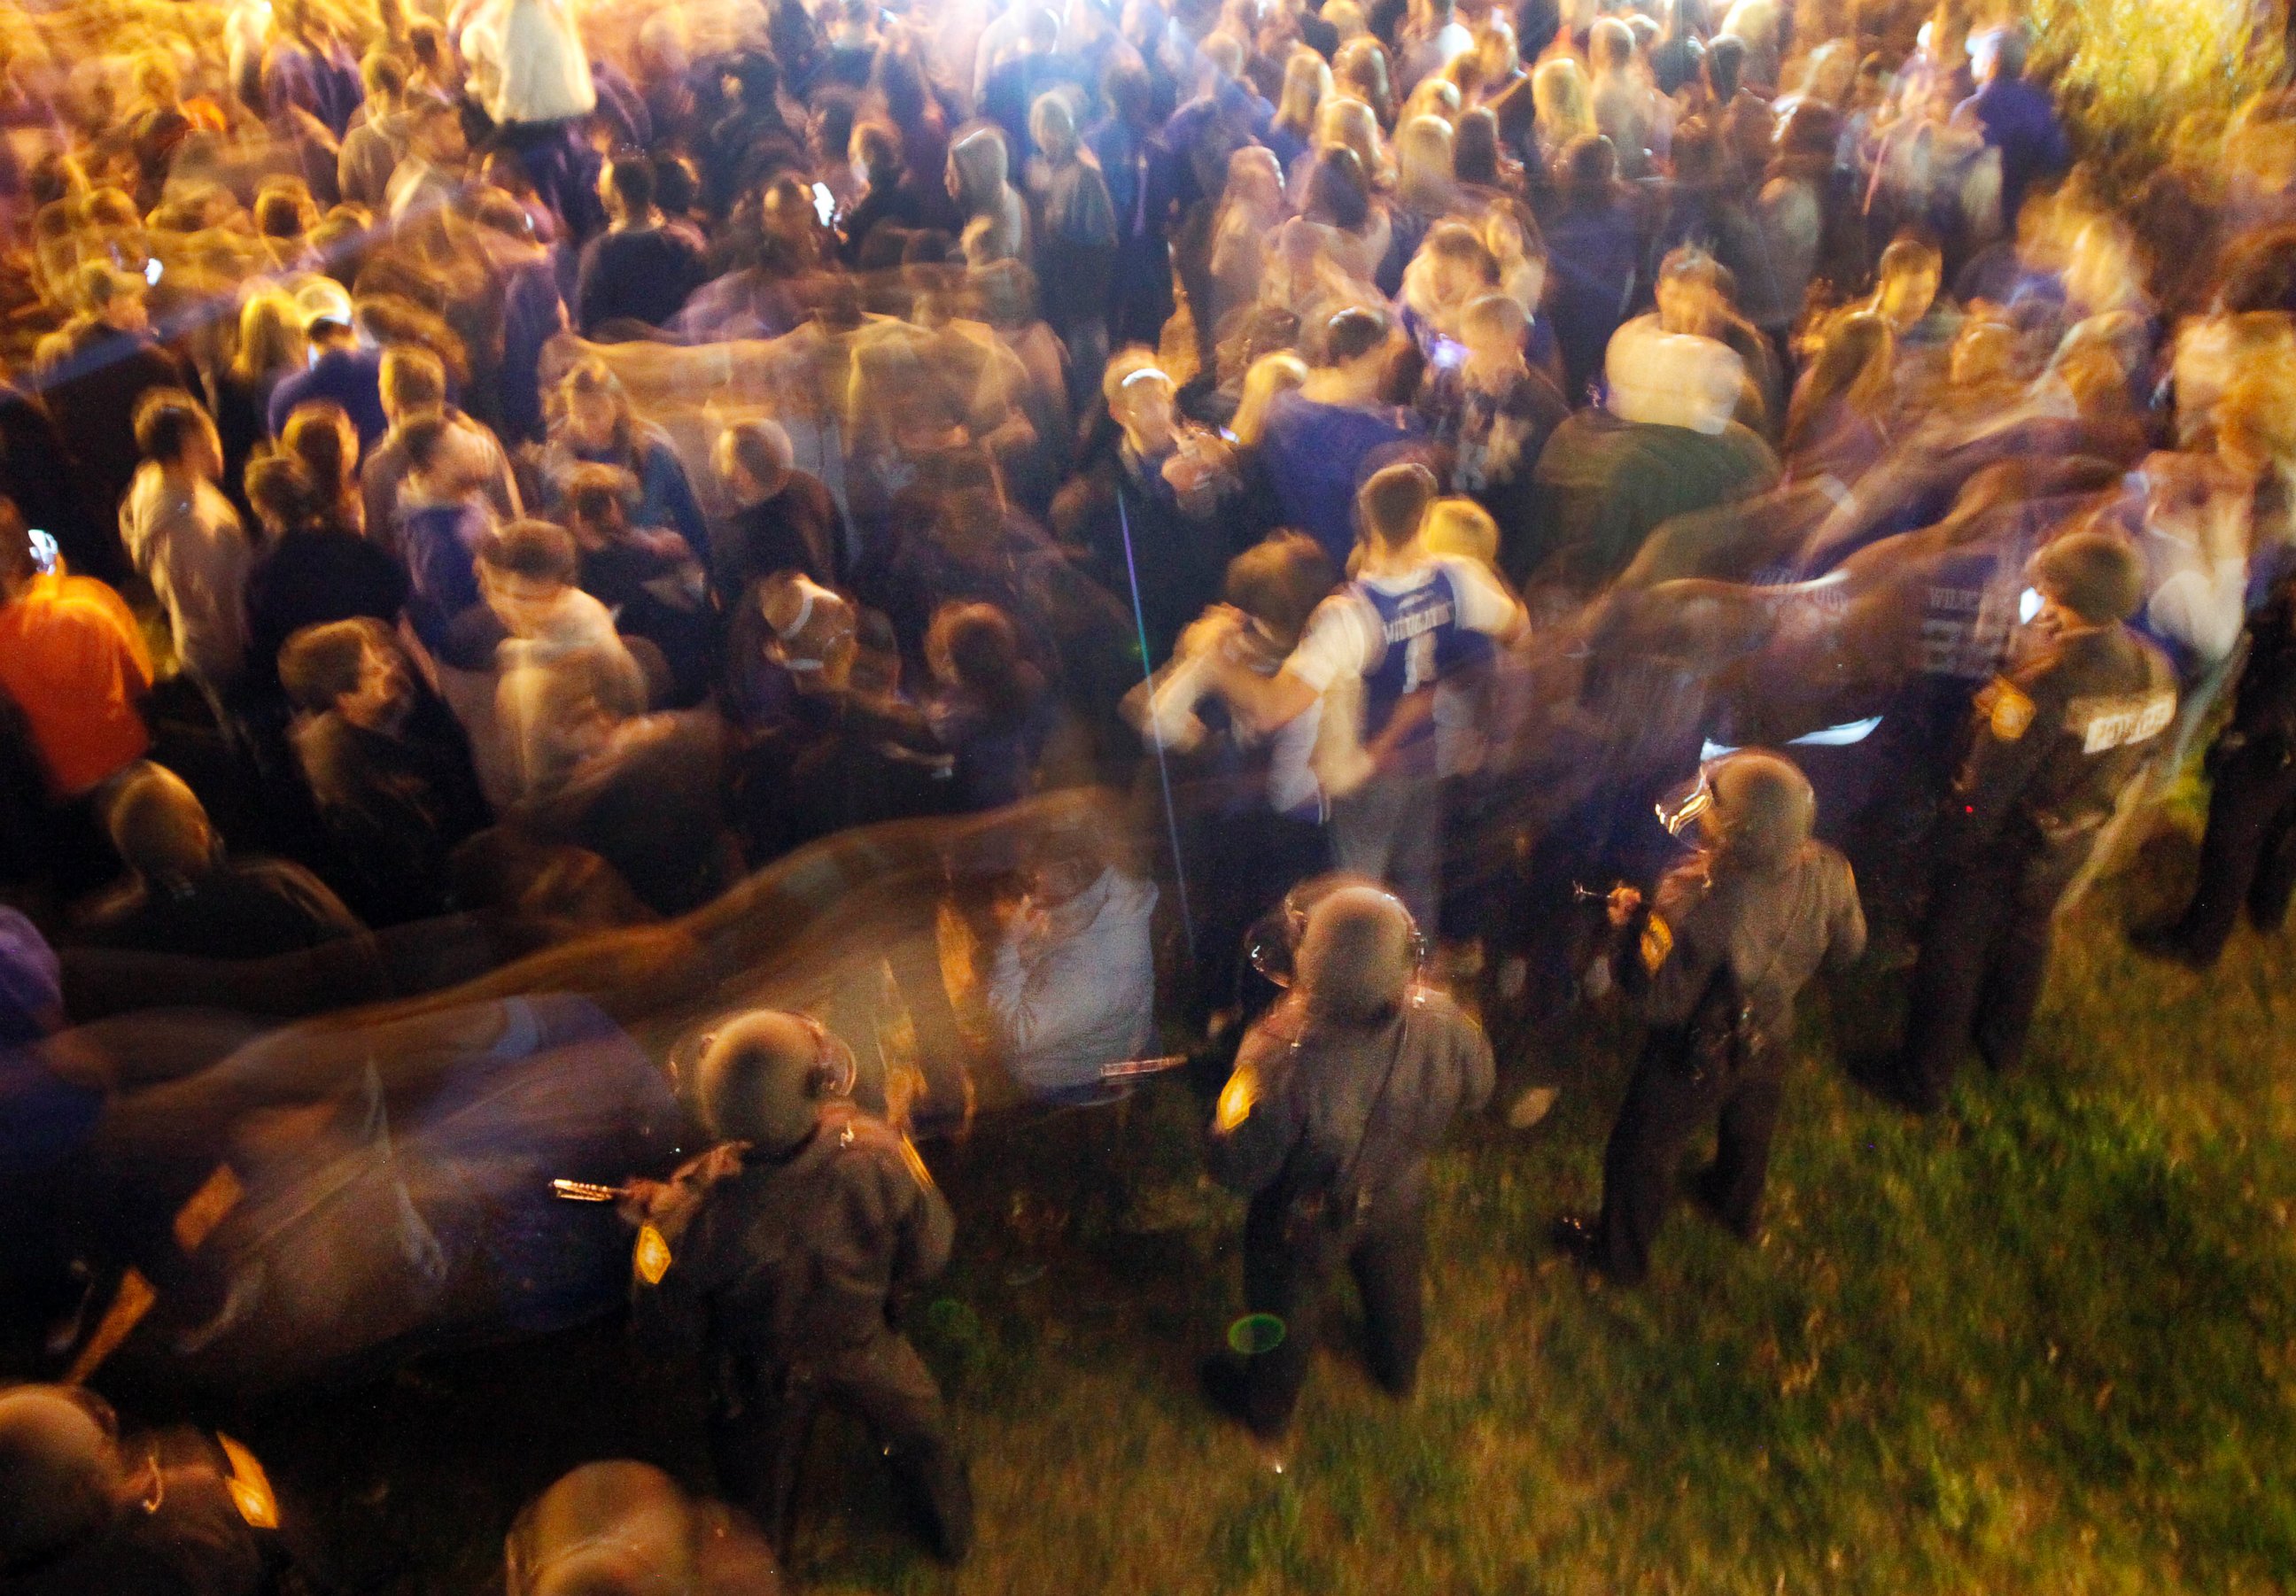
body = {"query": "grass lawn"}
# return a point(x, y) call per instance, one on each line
point(2046, 1344)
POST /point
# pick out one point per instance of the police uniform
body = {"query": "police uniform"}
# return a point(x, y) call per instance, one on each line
point(800, 1261)
point(2248, 855)
point(2052, 743)
point(1728, 945)
point(170, 1513)
point(185, 1539)
point(1328, 1129)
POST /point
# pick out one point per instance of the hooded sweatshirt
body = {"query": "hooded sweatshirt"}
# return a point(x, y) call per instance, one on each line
point(996, 224)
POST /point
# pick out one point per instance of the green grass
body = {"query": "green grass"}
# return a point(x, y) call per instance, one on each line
point(2045, 1344)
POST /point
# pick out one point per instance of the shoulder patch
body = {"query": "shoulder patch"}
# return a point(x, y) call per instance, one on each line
point(651, 1259)
point(250, 1488)
point(1236, 1099)
point(2010, 712)
point(1657, 943)
point(915, 1162)
point(196, 1220)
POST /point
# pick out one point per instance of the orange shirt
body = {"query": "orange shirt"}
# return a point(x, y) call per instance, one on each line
point(72, 659)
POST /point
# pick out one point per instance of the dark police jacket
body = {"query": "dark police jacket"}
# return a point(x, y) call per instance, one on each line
point(2264, 711)
point(2052, 742)
point(1341, 1120)
point(805, 1256)
point(189, 1536)
point(1775, 926)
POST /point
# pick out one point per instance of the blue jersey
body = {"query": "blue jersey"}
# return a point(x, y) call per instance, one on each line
point(1420, 641)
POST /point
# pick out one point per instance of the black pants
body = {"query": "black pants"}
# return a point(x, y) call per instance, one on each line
point(1669, 1098)
point(1240, 866)
point(1985, 953)
point(1288, 1264)
point(2248, 855)
point(762, 1417)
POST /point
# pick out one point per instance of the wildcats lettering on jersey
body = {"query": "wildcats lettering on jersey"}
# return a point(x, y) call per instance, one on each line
point(1411, 623)
point(1421, 640)
point(2105, 724)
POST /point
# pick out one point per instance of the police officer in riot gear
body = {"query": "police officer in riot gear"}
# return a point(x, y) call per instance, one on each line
point(799, 1234)
point(2052, 742)
point(1340, 1094)
point(1731, 939)
point(85, 1510)
point(2248, 855)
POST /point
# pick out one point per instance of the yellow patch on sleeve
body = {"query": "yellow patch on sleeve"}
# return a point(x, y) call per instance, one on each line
point(916, 1163)
point(2010, 711)
point(249, 1485)
point(1236, 1099)
point(196, 1220)
point(129, 1304)
point(1657, 943)
point(651, 1259)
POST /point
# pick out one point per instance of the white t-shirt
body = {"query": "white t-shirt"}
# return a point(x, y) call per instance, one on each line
point(528, 62)
point(1293, 788)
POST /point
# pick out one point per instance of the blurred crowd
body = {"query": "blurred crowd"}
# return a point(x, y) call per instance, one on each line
point(477, 481)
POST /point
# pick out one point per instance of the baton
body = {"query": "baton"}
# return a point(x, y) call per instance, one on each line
point(587, 1191)
point(1126, 1070)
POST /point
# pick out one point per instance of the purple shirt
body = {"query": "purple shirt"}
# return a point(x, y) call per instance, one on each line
point(351, 377)
point(2018, 118)
point(1319, 454)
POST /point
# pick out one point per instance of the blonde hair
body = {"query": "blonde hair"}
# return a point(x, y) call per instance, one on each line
point(1611, 45)
point(1346, 18)
point(1307, 81)
point(1462, 527)
point(1422, 161)
point(1559, 98)
point(1352, 123)
point(1124, 365)
point(2257, 413)
point(1360, 70)
point(1497, 36)
point(1436, 97)
point(1280, 372)
point(270, 337)
point(157, 77)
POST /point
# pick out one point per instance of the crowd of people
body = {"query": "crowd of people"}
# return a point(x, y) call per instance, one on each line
point(479, 481)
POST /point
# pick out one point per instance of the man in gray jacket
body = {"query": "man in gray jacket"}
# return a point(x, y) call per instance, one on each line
point(1733, 938)
point(1340, 1096)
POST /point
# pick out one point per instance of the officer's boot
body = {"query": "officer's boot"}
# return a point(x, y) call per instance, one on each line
point(940, 1489)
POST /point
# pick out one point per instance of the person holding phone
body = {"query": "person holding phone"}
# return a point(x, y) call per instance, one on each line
point(72, 660)
point(73, 665)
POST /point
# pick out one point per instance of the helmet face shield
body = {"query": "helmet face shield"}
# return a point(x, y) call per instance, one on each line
point(1679, 809)
point(1268, 948)
point(1272, 945)
point(1754, 803)
point(833, 1071)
